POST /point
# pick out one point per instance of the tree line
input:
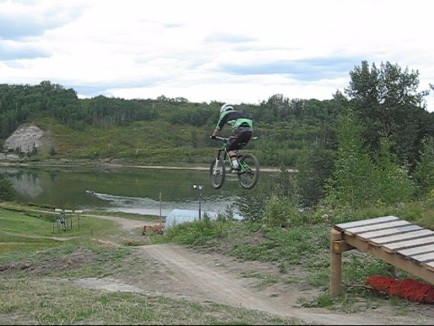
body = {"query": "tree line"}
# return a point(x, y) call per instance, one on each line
point(380, 119)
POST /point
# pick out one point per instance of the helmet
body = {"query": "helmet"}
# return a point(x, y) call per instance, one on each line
point(226, 107)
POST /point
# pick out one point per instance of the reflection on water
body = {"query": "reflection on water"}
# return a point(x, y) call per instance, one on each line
point(141, 191)
point(27, 184)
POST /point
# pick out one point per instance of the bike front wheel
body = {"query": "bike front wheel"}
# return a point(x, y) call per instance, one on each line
point(249, 170)
point(217, 173)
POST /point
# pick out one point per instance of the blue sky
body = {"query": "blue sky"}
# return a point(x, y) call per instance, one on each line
point(239, 51)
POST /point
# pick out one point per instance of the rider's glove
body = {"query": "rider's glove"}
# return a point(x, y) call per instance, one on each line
point(212, 137)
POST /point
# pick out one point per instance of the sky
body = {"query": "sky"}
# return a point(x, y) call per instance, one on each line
point(233, 51)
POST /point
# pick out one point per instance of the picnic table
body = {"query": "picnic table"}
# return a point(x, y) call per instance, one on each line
point(64, 221)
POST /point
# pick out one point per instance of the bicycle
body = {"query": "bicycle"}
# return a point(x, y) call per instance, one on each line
point(248, 174)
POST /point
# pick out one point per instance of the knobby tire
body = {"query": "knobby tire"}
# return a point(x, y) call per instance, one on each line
point(249, 178)
point(217, 173)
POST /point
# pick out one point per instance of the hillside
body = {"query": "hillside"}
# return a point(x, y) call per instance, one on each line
point(139, 143)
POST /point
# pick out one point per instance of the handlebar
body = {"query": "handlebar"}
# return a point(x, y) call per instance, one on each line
point(225, 138)
point(218, 138)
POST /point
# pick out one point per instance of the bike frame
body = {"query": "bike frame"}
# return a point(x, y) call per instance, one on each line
point(248, 166)
point(224, 154)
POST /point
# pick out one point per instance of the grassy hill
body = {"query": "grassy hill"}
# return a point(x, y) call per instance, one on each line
point(149, 142)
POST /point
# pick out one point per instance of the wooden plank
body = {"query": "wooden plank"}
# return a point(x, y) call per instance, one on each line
point(401, 237)
point(397, 242)
point(423, 271)
point(366, 222)
point(424, 257)
point(362, 229)
point(391, 231)
point(408, 244)
point(416, 250)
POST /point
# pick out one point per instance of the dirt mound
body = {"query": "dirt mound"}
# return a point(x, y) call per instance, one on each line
point(74, 260)
point(28, 138)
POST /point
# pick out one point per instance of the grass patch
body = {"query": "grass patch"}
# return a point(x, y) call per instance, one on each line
point(39, 286)
point(29, 231)
point(41, 305)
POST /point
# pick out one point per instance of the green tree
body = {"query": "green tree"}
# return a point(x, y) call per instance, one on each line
point(424, 173)
point(251, 203)
point(314, 166)
point(351, 183)
point(393, 184)
point(360, 179)
point(390, 106)
point(7, 191)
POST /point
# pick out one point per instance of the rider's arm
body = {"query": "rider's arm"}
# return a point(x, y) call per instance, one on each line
point(216, 132)
point(220, 124)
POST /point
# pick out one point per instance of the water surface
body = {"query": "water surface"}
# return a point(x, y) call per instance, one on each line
point(131, 190)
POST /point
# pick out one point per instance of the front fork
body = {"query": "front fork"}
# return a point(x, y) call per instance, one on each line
point(221, 154)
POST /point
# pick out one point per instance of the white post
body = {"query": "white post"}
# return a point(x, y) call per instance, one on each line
point(199, 189)
point(160, 204)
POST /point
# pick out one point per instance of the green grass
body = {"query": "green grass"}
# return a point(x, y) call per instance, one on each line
point(78, 305)
point(24, 231)
point(37, 283)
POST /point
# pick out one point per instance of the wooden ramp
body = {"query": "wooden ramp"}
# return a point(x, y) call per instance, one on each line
point(406, 246)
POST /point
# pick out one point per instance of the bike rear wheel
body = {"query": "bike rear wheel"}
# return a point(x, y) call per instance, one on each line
point(217, 173)
point(249, 170)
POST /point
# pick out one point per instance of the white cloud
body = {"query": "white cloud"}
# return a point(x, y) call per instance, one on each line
point(239, 51)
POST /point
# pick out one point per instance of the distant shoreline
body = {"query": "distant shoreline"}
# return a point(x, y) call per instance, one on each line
point(116, 165)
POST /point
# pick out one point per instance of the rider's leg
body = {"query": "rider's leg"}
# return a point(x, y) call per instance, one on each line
point(233, 145)
point(234, 161)
point(237, 140)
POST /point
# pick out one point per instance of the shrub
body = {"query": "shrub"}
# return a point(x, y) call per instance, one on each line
point(7, 191)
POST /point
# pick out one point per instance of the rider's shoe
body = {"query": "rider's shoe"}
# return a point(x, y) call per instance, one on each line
point(235, 170)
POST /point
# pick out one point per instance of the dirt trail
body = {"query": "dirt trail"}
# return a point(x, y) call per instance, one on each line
point(178, 272)
point(125, 223)
point(192, 276)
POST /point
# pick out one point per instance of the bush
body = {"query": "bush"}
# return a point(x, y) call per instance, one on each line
point(7, 191)
point(424, 173)
point(281, 212)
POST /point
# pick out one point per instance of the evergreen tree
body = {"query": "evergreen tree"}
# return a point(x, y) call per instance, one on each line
point(7, 191)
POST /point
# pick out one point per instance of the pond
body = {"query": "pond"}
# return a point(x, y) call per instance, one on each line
point(147, 191)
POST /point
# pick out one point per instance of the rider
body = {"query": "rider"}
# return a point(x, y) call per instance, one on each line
point(242, 131)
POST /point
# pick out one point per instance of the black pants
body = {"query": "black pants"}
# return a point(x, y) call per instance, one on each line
point(240, 138)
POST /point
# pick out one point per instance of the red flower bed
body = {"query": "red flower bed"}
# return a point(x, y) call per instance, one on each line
point(408, 289)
